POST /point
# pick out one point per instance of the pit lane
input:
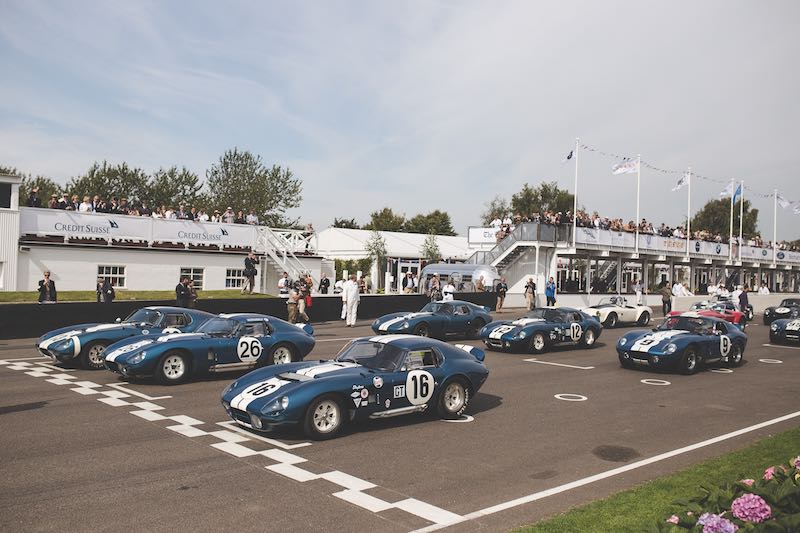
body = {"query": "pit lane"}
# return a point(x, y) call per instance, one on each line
point(78, 463)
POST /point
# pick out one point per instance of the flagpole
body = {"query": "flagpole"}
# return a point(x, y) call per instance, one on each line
point(638, 179)
point(730, 236)
point(741, 218)
point(575, 196)
point(774, 227)
point(689, 211)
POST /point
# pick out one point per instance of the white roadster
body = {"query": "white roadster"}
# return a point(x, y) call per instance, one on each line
point(615, 309)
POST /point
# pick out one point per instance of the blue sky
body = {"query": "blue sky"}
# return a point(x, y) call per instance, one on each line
point(415, 105)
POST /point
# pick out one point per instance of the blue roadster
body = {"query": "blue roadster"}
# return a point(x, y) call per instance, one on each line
point(541, 328)
point(437, 319)
point(785, 330)
point(88, 342)
point(377, 377)
point(685, 342)
point(224, 343)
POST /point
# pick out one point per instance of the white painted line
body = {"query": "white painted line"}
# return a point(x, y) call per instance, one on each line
point(293, 472)
point(228, 436)
point(463, 420)
point(338, 340)
point(233, 426)
point(370, 503)
point(113, 402)
point(59, 368)
point(567, 397)
point(427, 511)
point(237, 450)
point(187, 431)
point(346, 480)
point(781, 346)
point(3, 361)
point(121, 386)
point(152, 416)
point(722, 370)
point(186, 420)
point(534, 360)
point(659, 382)
point(771, 361)
point(283, 457)
point(608, 473)
point(147, 406)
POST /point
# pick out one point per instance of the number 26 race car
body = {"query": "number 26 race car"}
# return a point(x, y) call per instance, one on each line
point(684, 342)
point(226, 342)
point(540, 328)
point(377, 377)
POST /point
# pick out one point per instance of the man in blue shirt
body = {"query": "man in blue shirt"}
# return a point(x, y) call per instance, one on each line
point(550, 292)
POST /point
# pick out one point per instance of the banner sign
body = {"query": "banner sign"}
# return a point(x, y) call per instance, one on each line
point(482, 235)
point(38, 221)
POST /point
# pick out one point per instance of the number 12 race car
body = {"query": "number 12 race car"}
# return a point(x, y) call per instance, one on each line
point(224, 343)
point(540, 328)
point(377, 377)
point(785, 330)
point(684, 342)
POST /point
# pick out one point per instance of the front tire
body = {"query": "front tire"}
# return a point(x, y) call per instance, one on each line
point(453, 400)
point(690, 362)
point(735, 356)
point(93, 357)
point(644, 319)
point(611, 320)
point(173, 368)
point(589, 338)
point(538, 342)
point(324, 418)
point(422, 330)
point(281, 354)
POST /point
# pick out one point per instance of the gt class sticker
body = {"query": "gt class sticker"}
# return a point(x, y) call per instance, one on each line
point(248, 349)
point(419, 387)
point(399, 391)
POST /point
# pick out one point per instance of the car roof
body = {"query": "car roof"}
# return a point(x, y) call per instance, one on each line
point(174, 309)
point(245, 317)
point(407, 342)
point(695, 314)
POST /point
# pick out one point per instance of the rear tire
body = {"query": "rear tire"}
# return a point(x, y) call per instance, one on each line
point(173, 368)
point(453, 400)
point(472, 332)
point(92, 357)
point(538, 342)
point(611, 320)
point(690, 362)
point(280, 354)
point(589, 338)
point(644, 319)
point(735, 356)
point(422, 330)
point(324, 418)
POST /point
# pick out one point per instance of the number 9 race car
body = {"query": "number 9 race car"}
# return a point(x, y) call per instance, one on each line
point(685, 342)
point(540, 328)
point(615, 309)
point(87, 342)
point(226, 342)
point(377, 377)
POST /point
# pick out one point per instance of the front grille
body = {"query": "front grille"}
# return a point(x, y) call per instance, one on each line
point(241, 416)
point(112, 365)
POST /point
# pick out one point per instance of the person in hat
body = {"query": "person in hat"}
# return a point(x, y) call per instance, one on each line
point(53, 202)
point(33, 198)
point(229, 216)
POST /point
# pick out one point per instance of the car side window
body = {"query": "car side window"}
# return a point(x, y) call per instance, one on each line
point(255, 329)
point(552, 316)
point(576, 317)
point(175, 320)
point(462, 310)
point(720, 328)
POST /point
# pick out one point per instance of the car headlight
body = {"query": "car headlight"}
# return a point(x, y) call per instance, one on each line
point(255, 422)
point(767, 311)
point(404, 326)
point(136, 359)
point(670, 348)
point(623, 341)
point(278, 405)
point(375, 322)
point(773, 326)
point(230, 388)
point(522, 334)
point(63, 346)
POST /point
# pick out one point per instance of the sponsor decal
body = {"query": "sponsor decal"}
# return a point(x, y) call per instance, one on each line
point(357, 402)
point(718, 249)
point(387, 403)
point(377, 382)
point(781, 255)
point(697, 246)
point(399, 391)
point(364, 393)
point(85, 228)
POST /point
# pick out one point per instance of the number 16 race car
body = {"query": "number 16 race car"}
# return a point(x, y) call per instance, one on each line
point(685, 342)
point(377, 377)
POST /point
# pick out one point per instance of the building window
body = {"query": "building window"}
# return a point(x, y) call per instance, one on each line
point(114, 274)
point(234, 278)
point(194, 274)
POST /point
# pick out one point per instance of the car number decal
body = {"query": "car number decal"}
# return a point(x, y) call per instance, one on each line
point(500, 331)
point(649, 341)
point(782, 310)
point(419, 387)
point(724, 345)
point(794, 325)
point(256, 391)
point(248, 349)
point(575, 331)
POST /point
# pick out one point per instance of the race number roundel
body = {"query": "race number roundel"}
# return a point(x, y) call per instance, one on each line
point(419, 387)
point(724, 345)
point(248, 349)
point(575, 331)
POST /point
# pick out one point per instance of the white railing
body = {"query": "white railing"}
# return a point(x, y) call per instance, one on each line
point(283, 246)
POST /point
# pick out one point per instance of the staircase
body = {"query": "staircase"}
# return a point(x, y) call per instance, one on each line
point(282, 247)
point(522, 237)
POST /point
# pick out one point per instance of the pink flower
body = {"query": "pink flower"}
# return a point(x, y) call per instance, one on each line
point(673, 519)
point(769, 473)
point(751, 508)
point(795, 462)
point(749, 482)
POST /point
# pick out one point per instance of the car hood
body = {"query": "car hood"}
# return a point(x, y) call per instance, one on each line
point(389, 320)
point(646, 341)
point(133, 344)
point(78, 329)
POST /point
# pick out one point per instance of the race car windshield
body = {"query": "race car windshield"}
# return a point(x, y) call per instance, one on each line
point(373, 355)
point(789, 302)
point(535, 313)
point(700, 305)
point(686, 323)
point(613, 300)
point(434, 307)
point(218, 327)
point(149, 317)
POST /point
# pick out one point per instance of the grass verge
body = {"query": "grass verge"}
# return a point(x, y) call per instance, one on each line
point(639, 508)
point(91, 296)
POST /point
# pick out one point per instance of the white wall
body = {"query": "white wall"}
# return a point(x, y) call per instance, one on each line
point(578, 300)
point(74, 268)
point(758, 301)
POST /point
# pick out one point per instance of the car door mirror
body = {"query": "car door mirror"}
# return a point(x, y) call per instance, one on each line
point(118, 320)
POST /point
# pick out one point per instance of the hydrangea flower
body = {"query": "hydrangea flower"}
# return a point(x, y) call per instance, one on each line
point(749, 482)
point(769, 473)
point(713, 523)
point(795, 462)
point(751, 508)
point(673, 519)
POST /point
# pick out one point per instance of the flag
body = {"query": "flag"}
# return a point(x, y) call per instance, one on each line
point(738, 194)
point(783, 202)
point(683, 182)
point(727, 191)
point(626, 166)
point(569, 156)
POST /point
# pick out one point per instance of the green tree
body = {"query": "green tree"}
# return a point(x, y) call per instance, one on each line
point(436, 222)
point(715, 217)
point(240, 180)
point(385, 220)
point(346, 223)
point(109, 181)
point(430, 249)
point(376, 250)
point(45, 185)
point(545, 197)
point(496, 208)
point(174, 187)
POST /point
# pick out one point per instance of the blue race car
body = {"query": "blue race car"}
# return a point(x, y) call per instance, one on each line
point(685, 342)
point(784, 330)
point(371, 377)
point(437, 319)
point(224, 343)
point(789, 308)
point(541, 328)
point(88, 342)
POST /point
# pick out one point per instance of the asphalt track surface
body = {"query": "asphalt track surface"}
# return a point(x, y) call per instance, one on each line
point(81, 455)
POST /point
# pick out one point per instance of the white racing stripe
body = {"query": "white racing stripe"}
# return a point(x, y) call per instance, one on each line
point(126, 349)
point(57, 338)
point(315, 371)
point(385, 326)
point(651, 340)
point(255, 391)
point(386, 339)
point(526, 321)
point(103, 327)
point(499, 331)
point(173, 336)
